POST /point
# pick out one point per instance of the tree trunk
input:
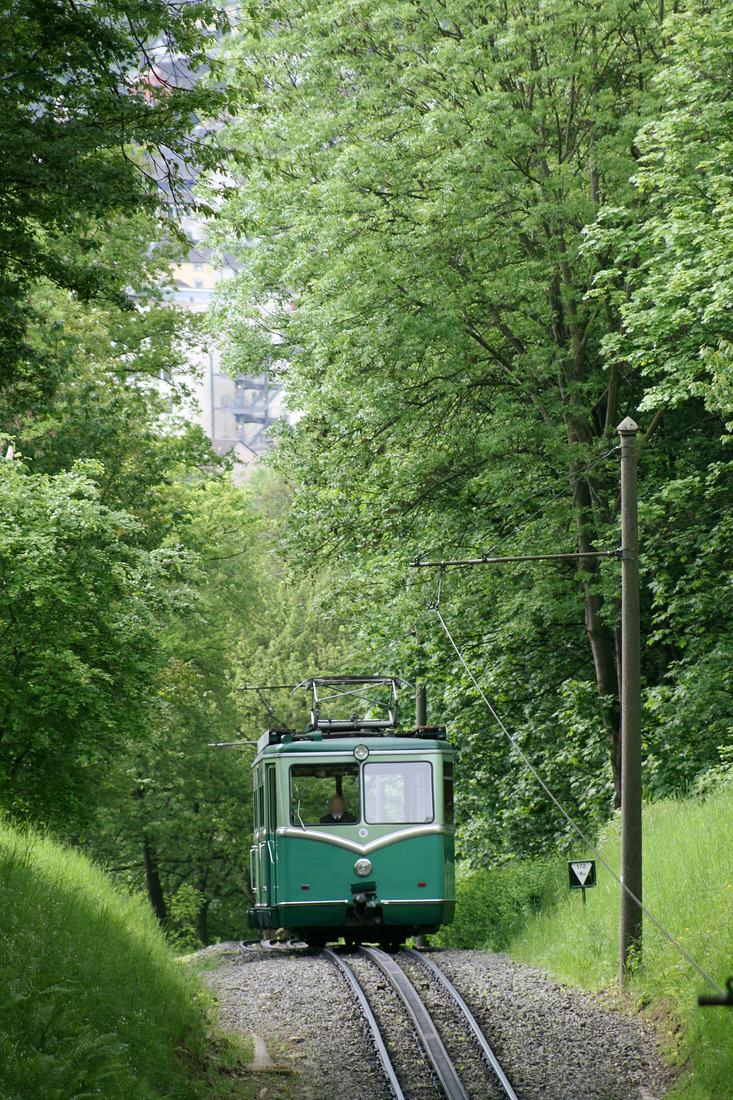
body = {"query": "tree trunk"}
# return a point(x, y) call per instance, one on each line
point(153, 883)
point(202, 924)
point(599, 634)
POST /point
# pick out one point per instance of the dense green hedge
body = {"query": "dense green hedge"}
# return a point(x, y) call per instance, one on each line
point(493, 904)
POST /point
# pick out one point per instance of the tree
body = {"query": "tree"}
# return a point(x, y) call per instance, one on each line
point(666, 264)
point(79, 611)
point(89, 131)
point(175, 815)
point(419, 180)
point(122, 380)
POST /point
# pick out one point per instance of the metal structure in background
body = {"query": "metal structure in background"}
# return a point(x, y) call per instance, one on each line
point(630, 921)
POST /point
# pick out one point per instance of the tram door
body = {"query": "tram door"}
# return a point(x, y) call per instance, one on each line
point(263, 856)
point(254, 852)
point(269, 822)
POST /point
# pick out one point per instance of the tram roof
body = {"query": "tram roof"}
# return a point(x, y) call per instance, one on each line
point(274, 742)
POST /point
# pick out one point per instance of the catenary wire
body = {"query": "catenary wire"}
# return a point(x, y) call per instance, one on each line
point(567, 816)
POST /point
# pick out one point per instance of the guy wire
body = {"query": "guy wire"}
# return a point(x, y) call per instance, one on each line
point(569, 819)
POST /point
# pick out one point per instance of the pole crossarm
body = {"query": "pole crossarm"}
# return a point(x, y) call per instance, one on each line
point(486, 560)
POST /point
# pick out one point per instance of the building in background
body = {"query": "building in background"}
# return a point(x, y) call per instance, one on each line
point(235, 412)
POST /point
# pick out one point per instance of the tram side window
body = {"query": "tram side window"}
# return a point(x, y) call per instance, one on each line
point(271, 799)
point(315, 791)
point(448, 793)
point(259, 799)
point(398, 793)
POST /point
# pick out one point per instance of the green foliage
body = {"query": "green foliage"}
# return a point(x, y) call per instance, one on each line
point(414, 214)
point(80, 102)
point(174, 814)
point(92, 1001)
point(675, 302)
point(689, 888)
point(80, 608)
point(479, 239)
point(302, 631)
point(493, 905)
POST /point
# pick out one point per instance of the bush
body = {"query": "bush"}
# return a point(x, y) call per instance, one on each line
point(494, 904)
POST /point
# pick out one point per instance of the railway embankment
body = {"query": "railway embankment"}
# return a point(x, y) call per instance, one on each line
point(92, 1000)
point(528, 911)
point(552, 1041)
point(688, 888)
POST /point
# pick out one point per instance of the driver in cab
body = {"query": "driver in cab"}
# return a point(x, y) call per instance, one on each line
point(337, 813)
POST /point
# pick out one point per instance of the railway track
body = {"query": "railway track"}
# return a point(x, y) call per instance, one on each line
point(447, 1054)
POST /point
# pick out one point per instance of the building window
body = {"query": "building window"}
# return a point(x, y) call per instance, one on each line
point(198, 267)
point(198, 284)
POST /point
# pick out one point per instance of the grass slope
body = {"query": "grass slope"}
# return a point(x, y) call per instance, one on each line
point(688, 886)
point(92, 1002)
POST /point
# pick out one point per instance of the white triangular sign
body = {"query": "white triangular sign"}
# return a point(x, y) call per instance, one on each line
point(581, 871)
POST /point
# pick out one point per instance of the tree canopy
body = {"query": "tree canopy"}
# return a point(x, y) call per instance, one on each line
point(445, 225)
point(90, 130)
point(470, 241)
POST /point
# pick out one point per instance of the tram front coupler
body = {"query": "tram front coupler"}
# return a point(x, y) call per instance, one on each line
point(364, 897)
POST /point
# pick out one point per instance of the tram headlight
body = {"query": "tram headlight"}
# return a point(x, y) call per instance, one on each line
point(361, 752)
point(363, 867)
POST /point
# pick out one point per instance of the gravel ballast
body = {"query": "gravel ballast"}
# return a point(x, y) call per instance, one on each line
point(553, 1042)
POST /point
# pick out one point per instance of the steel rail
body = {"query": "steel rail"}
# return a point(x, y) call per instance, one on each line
point(427, 1032)
point(365, 1007)
point(469, 1017)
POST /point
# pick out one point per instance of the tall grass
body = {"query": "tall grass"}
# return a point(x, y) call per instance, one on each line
point(688, 886)
point(91, 1000)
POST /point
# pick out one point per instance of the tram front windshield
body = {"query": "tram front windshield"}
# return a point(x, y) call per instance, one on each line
point(324, 796)
point(398, 793)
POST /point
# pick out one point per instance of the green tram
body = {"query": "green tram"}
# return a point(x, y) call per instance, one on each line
point(353, 823)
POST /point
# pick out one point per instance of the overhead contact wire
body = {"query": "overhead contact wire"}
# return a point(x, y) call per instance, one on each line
point(527, 763)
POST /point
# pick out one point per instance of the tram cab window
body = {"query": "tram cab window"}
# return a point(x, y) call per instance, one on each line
point(313, 790)
point(398, 793)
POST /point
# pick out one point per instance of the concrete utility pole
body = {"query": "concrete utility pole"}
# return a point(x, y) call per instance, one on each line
point(631, 915)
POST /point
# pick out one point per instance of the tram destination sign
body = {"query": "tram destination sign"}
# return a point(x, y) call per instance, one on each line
point(581, 873)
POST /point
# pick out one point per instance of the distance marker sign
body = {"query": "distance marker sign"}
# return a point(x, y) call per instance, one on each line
point(582, 873)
